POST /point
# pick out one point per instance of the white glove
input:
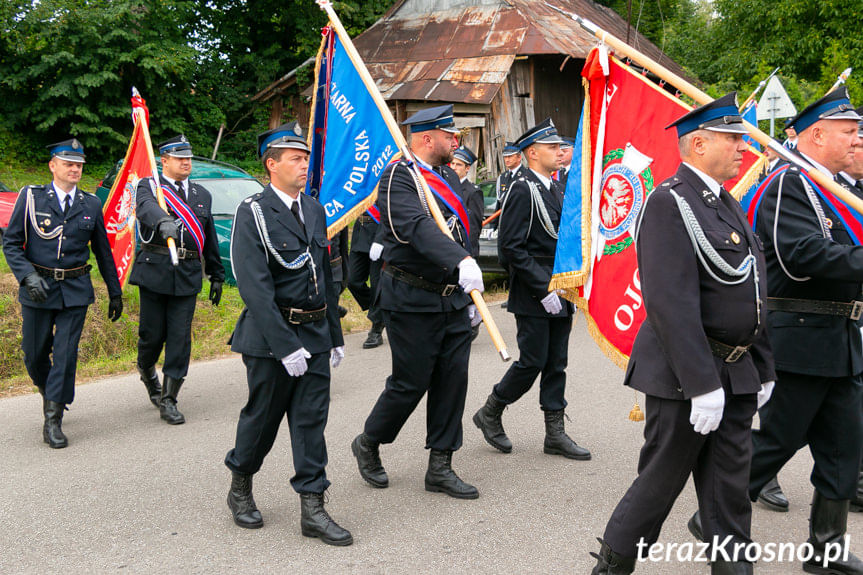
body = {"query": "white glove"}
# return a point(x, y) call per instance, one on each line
point(375, 251)
point(707, 411)
point(337, 354)
point(765, 393)
point(470, 276)
point(295, 364)
point(473, 314)
point(552, 304)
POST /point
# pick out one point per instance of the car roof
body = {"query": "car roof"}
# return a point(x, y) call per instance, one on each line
point(205, 169)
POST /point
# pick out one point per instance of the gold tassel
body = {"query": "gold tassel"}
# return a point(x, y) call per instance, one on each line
point(636, 414)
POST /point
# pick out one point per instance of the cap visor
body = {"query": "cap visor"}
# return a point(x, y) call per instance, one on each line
point(450, 130)
point(292, 146)
point(846, 115)
point(550, 140)
point(729, 129)
point(179, 154)
point(71, 158)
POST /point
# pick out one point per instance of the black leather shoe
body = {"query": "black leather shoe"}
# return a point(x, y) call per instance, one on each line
point(151, 382)
point(694, 526)
point(440, 478)
point(316, 522)
point(488, 420)
point(368, 457)
point(375, 338)
point(52, 432)
point(242, 504)
point(557, 442)
point(168, 402)
point(610, 563)
point(772, 498)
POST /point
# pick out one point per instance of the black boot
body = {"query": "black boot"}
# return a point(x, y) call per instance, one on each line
point(151, 382)
point(52, 433)
point(557, 442)
point(241, 502)
point(772, 498)
point(488, 421)
point(440, 478)
point(610, 563)
point(375, 339)
point(857, 503)
point(168, 401)
point(316, 522)
point(730, 568)
point(828, 522)
point(42, 393)
point(694, 526)
point(369, 461)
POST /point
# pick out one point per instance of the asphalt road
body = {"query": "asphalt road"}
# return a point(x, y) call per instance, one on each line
point(133, 495)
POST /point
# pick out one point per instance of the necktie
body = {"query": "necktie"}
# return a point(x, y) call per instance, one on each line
point(295, 209)
point(180, 189)
point(68, 203)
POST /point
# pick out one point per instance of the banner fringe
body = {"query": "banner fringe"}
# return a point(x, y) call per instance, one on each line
point(617, 357)
point(753, 175)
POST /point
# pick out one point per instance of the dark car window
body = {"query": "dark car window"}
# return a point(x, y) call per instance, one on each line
point(3, 188)
point(227, 194)
point(488, 195)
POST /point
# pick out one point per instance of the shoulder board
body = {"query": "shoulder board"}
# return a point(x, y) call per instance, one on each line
point(36, 188)
point(90, 194)
point(794, 169)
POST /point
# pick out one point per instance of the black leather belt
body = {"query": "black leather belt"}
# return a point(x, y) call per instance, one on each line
point(364, 219)
point(416, 281)
point(852, 310)
point(336, 262)
point(182, 253)
point(298, 316)
point(61, 274)
point(727, 353)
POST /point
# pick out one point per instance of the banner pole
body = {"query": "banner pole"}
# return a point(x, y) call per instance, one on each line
point(399, 138)
point(702, 98)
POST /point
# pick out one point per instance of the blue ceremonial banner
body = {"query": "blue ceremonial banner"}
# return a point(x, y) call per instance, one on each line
point(750, 114)
point(350, 142)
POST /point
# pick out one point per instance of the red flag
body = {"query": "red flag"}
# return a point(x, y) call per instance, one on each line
point(119, 208)
point(630, 153)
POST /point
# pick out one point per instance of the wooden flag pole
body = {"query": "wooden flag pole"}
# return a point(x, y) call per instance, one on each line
point(352, 53)
point(160, 197)
point(702, 98)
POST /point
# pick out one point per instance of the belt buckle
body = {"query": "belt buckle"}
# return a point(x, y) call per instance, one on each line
point(181, 253)
point(736, 353)
point(291, 319)
point(856, 310)
point(448, 290)
point(59, 274)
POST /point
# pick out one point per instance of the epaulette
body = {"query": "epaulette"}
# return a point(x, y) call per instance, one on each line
point(35, 188)
point(254, 198)
point(91, 194)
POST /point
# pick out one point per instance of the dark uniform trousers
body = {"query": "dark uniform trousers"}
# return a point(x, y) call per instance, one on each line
point(429, 354)
point(361, 267)
point(52, 330)
point(429, 332)
point(168, 321)
point(305, 400)
point(543, 339)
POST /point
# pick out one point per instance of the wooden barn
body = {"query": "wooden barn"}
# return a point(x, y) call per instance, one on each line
point(503, 64)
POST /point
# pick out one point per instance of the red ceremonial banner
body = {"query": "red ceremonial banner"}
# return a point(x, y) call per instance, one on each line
point(119, 208)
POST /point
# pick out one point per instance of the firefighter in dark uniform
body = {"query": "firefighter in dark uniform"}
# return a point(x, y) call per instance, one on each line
point(562, 174)
point(814, 276)
point(527, 240)
point(364, 265)
point(168, 293)
point(463, 159)
point(424, 290)
point(512, 162)
point(289, 333)
point(701, 357)
point(46, 247)
point(339, 265)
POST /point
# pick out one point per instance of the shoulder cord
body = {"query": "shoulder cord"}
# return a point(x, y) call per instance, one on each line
point(304, 259)
point(389, 213)
point(819, 212)
point(497, 188)
point(544, 218)
point(30, 213)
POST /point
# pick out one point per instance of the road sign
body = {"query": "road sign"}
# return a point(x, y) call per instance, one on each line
point(775, 102)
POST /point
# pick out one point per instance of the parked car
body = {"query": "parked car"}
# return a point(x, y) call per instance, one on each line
point(487, 260)
point(7, 202)
point(228, 184)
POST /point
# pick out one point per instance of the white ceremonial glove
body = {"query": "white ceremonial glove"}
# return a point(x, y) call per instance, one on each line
point(765, 393)
point(375, 251)
point(295, 364)
point(473, 314)
point(551, 303)
point(707, 411)
point(470, 276)
point(337, 354)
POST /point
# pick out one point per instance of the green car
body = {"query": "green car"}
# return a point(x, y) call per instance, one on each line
point(228, 184)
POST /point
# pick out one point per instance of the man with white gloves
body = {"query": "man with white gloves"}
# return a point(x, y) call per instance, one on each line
point(527, 241)
point(289, 333)
point(702, 354)
point(424, 295)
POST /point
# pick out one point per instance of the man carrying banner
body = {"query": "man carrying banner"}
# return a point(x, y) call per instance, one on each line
point(527, 239)
point(424, 290)
point(289, 333)
point(814, 276)
point(47, 245)
point(168, 293)
point(702, 356)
